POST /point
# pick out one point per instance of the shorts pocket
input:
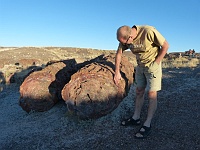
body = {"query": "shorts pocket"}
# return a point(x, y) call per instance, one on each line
point(153, 67)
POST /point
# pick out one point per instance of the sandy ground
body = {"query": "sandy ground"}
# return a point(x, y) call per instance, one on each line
point(176, 124)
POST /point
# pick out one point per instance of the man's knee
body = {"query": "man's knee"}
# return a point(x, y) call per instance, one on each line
point(152, 95)
point(140, 91)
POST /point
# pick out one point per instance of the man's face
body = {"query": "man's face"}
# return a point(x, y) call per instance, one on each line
point(126, 41)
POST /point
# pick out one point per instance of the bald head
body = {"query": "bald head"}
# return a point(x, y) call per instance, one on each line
point(123, 32)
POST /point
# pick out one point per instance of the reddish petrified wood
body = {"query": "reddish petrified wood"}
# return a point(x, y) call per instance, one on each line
point(92, 93)
point(42, 89)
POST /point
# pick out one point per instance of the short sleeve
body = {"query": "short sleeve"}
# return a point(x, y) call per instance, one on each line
point(155, 36)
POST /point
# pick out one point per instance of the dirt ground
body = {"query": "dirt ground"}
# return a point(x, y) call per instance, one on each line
point(176, 123)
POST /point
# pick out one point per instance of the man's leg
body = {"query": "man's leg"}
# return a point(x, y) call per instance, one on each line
point(153, 76)
point(140, 90)
point(146, 128)
point(140, 82)
point(152, 107)
point(138, 102)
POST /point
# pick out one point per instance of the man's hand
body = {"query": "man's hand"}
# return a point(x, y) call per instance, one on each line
point(117, 78)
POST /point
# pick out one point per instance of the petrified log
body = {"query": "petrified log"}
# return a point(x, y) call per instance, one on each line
point(92, 93)
point(42, 89)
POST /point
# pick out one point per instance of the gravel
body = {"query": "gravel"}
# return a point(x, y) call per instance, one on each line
point(176, 124)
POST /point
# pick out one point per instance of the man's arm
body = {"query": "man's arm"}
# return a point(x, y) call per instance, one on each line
point(162, 52)
point(118, 56)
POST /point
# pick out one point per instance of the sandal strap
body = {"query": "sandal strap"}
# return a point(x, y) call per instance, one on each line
point(146, 129)
point(130, 121)
point(145, 133)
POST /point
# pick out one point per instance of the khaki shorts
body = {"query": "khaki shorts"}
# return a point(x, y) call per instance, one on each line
point(149, 77)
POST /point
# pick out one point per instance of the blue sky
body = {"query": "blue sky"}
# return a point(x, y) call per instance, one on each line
point(93, 23)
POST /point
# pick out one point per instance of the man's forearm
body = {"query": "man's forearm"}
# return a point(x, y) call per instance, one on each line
point(117, 62)
point(162, 52)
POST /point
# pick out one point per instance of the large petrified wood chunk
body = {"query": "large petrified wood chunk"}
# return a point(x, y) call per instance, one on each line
point(92, 93)
point(42, 89)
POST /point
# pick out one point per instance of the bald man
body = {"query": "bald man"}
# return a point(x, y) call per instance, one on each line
point(150, 47)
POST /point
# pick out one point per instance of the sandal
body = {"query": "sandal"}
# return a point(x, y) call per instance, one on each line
point(130, 121)
point(144, 132)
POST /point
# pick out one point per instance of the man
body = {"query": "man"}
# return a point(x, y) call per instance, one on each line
point(150, 47)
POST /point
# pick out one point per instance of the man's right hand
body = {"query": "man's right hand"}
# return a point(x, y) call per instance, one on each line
point(117, 78)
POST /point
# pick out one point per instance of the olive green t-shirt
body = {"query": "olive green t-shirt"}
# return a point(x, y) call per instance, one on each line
point(146, 45)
